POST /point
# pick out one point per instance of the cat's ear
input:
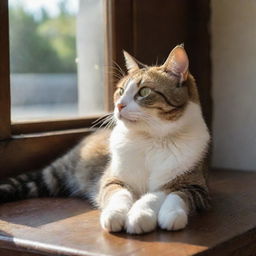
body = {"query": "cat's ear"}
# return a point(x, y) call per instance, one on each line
point(177, 63)
point(130, 62)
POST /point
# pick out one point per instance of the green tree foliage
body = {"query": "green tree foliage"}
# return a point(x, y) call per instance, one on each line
point(46, 45)
point(60, 32)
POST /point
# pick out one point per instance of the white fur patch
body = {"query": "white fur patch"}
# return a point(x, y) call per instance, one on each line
point(142, 217)
point(114, 213)
point(173, 214)
point(148, 162)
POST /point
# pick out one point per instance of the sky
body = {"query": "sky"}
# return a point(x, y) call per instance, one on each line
point(51, 6)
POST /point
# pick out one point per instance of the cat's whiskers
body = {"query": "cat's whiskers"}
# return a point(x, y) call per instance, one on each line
point(111, 122)
point(106, 122)
point(115, 70)
point(115, 74)
point(118, 67)
point(98, 121)
point(118, 76)
point(102, 120)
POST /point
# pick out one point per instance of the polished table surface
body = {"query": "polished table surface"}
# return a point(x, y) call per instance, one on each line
point(59, 226)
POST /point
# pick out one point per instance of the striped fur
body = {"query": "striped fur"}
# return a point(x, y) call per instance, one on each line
point(192, 187)
point(196, 196)
point(34, 184)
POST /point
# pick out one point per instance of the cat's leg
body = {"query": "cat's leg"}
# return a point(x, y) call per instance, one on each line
point(173, 214)
point(142, 217)
point(115, 202)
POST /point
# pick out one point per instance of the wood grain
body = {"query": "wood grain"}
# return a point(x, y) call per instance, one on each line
point(199, 48)
point(16, 252)
point(25, 153)
point(29, 127)
point(122, 33)
point(71, 226)
point(5, 115)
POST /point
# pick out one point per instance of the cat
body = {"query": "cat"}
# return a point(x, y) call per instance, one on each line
point(148, 170)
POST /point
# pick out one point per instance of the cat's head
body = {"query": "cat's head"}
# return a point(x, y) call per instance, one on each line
point(156, 99)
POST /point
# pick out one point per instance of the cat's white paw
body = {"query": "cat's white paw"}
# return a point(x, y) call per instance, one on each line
point(172, 220)
point(113, 220)
point(140, 221)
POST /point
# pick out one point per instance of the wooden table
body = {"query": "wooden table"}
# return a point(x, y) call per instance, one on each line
point(71, 227)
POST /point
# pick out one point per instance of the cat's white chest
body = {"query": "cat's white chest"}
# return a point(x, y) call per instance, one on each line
point(128, 163)
point(165, 162)
point(144, 164)
point(147, 164)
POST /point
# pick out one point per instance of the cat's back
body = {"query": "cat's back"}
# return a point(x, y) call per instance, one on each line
point(96, 144)
point(94, 156)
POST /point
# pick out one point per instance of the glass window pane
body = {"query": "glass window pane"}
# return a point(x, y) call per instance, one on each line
point(56, 58)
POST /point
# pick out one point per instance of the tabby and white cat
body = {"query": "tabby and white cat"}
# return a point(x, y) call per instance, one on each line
point(146, 171)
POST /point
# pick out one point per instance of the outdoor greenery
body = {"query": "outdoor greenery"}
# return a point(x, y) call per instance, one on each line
point(42, 45)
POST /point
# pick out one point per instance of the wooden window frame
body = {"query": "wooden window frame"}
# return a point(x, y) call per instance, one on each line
point(5, 121)
point(26, 127)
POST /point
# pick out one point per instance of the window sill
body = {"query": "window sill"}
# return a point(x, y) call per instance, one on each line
point(61, 226)
point(26, 152)
point(29, 127)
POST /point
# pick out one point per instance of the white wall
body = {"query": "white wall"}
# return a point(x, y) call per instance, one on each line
point(234, 83)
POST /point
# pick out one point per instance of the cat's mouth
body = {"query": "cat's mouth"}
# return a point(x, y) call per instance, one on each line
point(126, 119)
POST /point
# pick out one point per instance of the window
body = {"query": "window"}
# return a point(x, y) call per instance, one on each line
point(56, 59)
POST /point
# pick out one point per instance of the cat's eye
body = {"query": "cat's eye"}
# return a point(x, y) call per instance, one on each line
point(144, 92)
point(120, 91)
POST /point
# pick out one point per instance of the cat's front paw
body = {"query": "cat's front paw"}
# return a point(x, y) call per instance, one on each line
point(140, 221)
point(113, 220)
point(172, 220)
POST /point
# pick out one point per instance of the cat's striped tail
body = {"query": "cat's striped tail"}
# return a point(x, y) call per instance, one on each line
point(51, 181)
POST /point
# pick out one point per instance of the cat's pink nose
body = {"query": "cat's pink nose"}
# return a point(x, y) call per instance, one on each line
point(120, 106)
